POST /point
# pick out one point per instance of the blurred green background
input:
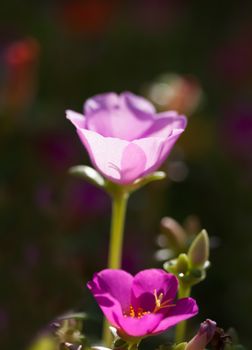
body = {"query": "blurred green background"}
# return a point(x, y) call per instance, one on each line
point(193, 56)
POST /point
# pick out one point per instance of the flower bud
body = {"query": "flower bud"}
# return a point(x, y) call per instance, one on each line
point(203, 337)
point(174, 232)
point(182, 264)
point(198, 252)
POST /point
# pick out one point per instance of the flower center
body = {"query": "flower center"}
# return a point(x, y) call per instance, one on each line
point(139, 313)
point(159, 304)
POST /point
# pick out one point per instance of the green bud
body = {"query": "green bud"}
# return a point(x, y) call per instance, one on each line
point(174, 232)
point(170, 266)
point(198, 252)
point(182, 264)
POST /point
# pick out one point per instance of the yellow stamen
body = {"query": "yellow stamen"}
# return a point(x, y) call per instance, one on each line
point(139, 313)
point(158, 302)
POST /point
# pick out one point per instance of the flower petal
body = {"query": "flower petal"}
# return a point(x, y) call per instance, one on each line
point(124, 116)
point(138, 327)
point(116, 283)
point(118, 160)
point(185, 308)
point(107, 101)
point(157, 149)
point(133, 163)
point(111, 289)
point(148, 282)
point(138, 103)
point(78, 120)
point(105, 153)
point(165, 123)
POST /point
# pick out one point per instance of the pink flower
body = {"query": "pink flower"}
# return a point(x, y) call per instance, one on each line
point(203, 337)
point(124, 136)
point(142, 305)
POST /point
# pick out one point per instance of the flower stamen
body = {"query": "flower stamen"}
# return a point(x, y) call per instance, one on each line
point(139, 313)
point(158, 302)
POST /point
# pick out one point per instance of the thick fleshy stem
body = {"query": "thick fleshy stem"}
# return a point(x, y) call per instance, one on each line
point(119, 206)
point(183, 292)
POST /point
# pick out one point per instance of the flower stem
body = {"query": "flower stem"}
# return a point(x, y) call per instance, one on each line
point(119, 206)
point(117, 228)
point(184, 292)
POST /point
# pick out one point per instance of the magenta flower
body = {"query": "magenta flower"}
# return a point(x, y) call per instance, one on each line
point(142, 305)
point(124, 136)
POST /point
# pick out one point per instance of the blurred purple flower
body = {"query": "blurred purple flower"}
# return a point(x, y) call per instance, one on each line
point(142, 305)
point(124, 136)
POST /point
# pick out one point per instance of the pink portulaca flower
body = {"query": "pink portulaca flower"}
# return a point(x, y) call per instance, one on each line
point(142, 305)
point(124, 136)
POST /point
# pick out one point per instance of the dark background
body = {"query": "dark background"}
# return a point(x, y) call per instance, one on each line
point(54, 228)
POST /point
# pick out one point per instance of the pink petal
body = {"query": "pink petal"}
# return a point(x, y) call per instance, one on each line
point(116, 159)
point(105, 153)
point(184, 309)
point(132, 164)
point(77, 119)
point(138, 327)
point(124, 116)
point(164, 124)
point(102, 101)
point(138, 103)
point(116, 283)
point(168, 145)
point(151, 280)
point(157, 149)
point(111, 289)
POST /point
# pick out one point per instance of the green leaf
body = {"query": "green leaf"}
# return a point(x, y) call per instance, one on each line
point(156, 176)
point(89, 174)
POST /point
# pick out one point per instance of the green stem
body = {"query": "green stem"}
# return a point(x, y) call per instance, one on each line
point(133, 346)
point(184, 292)
point(116, 231)
point(119, 206)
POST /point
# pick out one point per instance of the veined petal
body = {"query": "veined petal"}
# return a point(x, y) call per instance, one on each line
point(157, 149)
point(133, 163)
point(118, 160)
point(165, 123)
point(105, 153)
point(184, 309)
point(124, 116)
point(137, 103)
point(109, 306)
point(114, 283)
